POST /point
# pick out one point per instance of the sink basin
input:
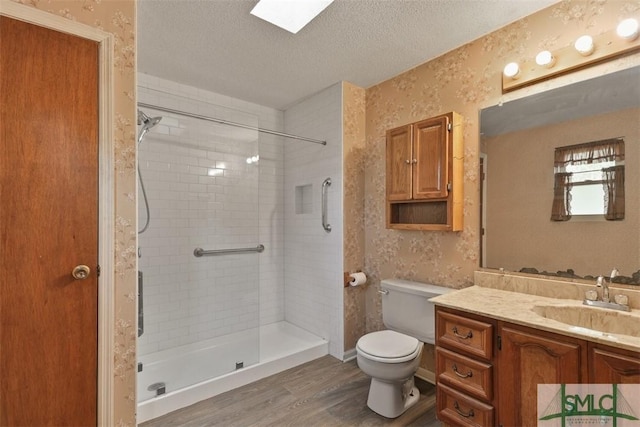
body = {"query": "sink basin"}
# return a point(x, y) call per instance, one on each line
point(607, 321)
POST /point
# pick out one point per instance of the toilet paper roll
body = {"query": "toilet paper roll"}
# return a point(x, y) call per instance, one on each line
point(357, 279)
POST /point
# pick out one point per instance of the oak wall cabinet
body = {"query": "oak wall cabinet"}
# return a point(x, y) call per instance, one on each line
point(424, 174)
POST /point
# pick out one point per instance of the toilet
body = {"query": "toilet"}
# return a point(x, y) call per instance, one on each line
point(391, 357)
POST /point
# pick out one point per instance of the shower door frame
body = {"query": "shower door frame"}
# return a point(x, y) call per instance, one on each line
point(106, 184)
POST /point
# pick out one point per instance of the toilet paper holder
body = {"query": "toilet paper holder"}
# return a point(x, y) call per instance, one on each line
point(348, 278)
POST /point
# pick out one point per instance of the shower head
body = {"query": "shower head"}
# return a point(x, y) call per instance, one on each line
point(147, 123)
point(145, 120)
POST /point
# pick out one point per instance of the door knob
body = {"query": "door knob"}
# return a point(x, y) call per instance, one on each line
point(80, 272)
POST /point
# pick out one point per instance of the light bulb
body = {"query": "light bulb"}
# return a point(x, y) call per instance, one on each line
point(628, 29)
point(512, 70)
point(545, 59)
point(584, 45)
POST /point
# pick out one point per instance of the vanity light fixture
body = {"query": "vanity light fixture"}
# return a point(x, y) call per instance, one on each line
point(587, 50)
point(512, 70)
point(628, 29)
point(584, 45)
point(545, 59)
point(290, 15)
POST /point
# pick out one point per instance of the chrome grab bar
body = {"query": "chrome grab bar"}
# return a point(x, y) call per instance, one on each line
point(325, 225)
point(201, 252)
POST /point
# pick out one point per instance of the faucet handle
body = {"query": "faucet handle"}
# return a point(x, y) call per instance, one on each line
point(600, 281)
point(621, 299)
point(591, 295)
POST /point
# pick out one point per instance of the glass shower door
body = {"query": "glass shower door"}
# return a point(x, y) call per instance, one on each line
point(201, 313)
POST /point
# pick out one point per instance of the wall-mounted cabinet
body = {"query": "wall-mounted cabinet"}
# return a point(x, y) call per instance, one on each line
point(425, 174)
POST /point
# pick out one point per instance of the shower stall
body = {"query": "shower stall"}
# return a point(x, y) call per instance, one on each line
point(212, 252)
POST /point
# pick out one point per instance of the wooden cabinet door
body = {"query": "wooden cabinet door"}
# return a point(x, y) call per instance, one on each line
point(430, 158)
point(529, 357)
point(613, 366)
point(48, 226)
point(399, 169)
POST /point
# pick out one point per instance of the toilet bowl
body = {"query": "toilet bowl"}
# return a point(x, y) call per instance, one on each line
point(392, 357)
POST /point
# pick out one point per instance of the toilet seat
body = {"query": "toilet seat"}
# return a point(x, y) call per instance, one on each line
point(388, 347)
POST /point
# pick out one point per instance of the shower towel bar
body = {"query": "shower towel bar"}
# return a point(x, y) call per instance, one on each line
point(201, 252)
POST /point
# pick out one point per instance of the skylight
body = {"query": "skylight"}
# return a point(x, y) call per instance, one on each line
point(291, 15)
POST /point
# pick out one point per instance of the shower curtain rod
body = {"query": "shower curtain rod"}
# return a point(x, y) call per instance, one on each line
point(227, 122)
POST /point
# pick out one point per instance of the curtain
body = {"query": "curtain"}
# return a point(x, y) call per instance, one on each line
point(613, 183)
point(609, 150)
point(561, 209)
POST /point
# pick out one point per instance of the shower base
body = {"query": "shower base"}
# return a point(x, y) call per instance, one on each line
point(282, 346)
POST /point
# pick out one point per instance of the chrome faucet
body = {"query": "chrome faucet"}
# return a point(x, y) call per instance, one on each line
point(601, 283)
point(591, 296)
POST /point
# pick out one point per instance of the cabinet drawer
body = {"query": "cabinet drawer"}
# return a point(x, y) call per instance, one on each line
point(459, 409)
point(463, 373)
point(461, 333)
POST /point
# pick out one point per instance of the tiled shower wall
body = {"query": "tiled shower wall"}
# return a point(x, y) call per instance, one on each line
point(314, 258)
point(300, 284)
point(203, 193)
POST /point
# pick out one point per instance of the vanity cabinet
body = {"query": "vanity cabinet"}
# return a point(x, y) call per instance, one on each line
point(528, 357)
point(488, 371)
point(424, 174)
point(465, 368)
point(613, 365)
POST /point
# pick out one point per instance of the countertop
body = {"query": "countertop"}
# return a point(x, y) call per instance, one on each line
point(516, 307)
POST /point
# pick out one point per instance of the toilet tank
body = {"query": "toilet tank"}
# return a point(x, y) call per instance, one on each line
point(406, 307)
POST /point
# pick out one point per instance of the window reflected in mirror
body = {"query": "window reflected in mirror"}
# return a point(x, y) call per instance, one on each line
point(589, 180)
point(597, 203)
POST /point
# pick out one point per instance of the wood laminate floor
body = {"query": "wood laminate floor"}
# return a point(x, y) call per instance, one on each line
point(324, 392)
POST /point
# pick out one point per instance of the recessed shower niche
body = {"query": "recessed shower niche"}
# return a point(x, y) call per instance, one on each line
point(304, 199)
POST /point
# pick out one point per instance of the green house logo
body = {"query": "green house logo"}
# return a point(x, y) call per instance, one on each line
point(587, 405)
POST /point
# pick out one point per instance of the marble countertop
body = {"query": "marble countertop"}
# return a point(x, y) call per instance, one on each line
point(520, 308)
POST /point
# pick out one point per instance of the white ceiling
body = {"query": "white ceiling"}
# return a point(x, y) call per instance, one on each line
point(219, 46)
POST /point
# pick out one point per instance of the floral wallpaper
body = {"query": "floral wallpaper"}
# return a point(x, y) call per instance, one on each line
point(353, 149)
point(118, 18)
point(464, 80)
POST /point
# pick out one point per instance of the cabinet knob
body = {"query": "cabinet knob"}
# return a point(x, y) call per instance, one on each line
point(415, 161)
point(407, 162)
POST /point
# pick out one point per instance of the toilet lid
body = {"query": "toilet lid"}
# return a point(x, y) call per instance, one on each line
point(389, 346)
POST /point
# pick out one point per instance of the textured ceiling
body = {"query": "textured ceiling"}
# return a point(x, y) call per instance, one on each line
point(219, 46)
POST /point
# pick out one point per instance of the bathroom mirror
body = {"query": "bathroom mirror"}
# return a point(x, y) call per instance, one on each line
point(517, 144)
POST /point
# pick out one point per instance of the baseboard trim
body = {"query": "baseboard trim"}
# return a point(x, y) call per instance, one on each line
point(426, 375)
point(349, 355)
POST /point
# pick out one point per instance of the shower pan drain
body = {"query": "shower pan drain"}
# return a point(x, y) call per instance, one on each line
point(159, 388)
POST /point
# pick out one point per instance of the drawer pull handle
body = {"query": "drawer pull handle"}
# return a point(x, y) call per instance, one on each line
point(455, 371)
point(464, 337)
point(469, 414)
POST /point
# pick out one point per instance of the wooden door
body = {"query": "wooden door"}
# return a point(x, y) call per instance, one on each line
point(431, 162)
point(48, 226)
point(399, 164)
point(529, 357)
